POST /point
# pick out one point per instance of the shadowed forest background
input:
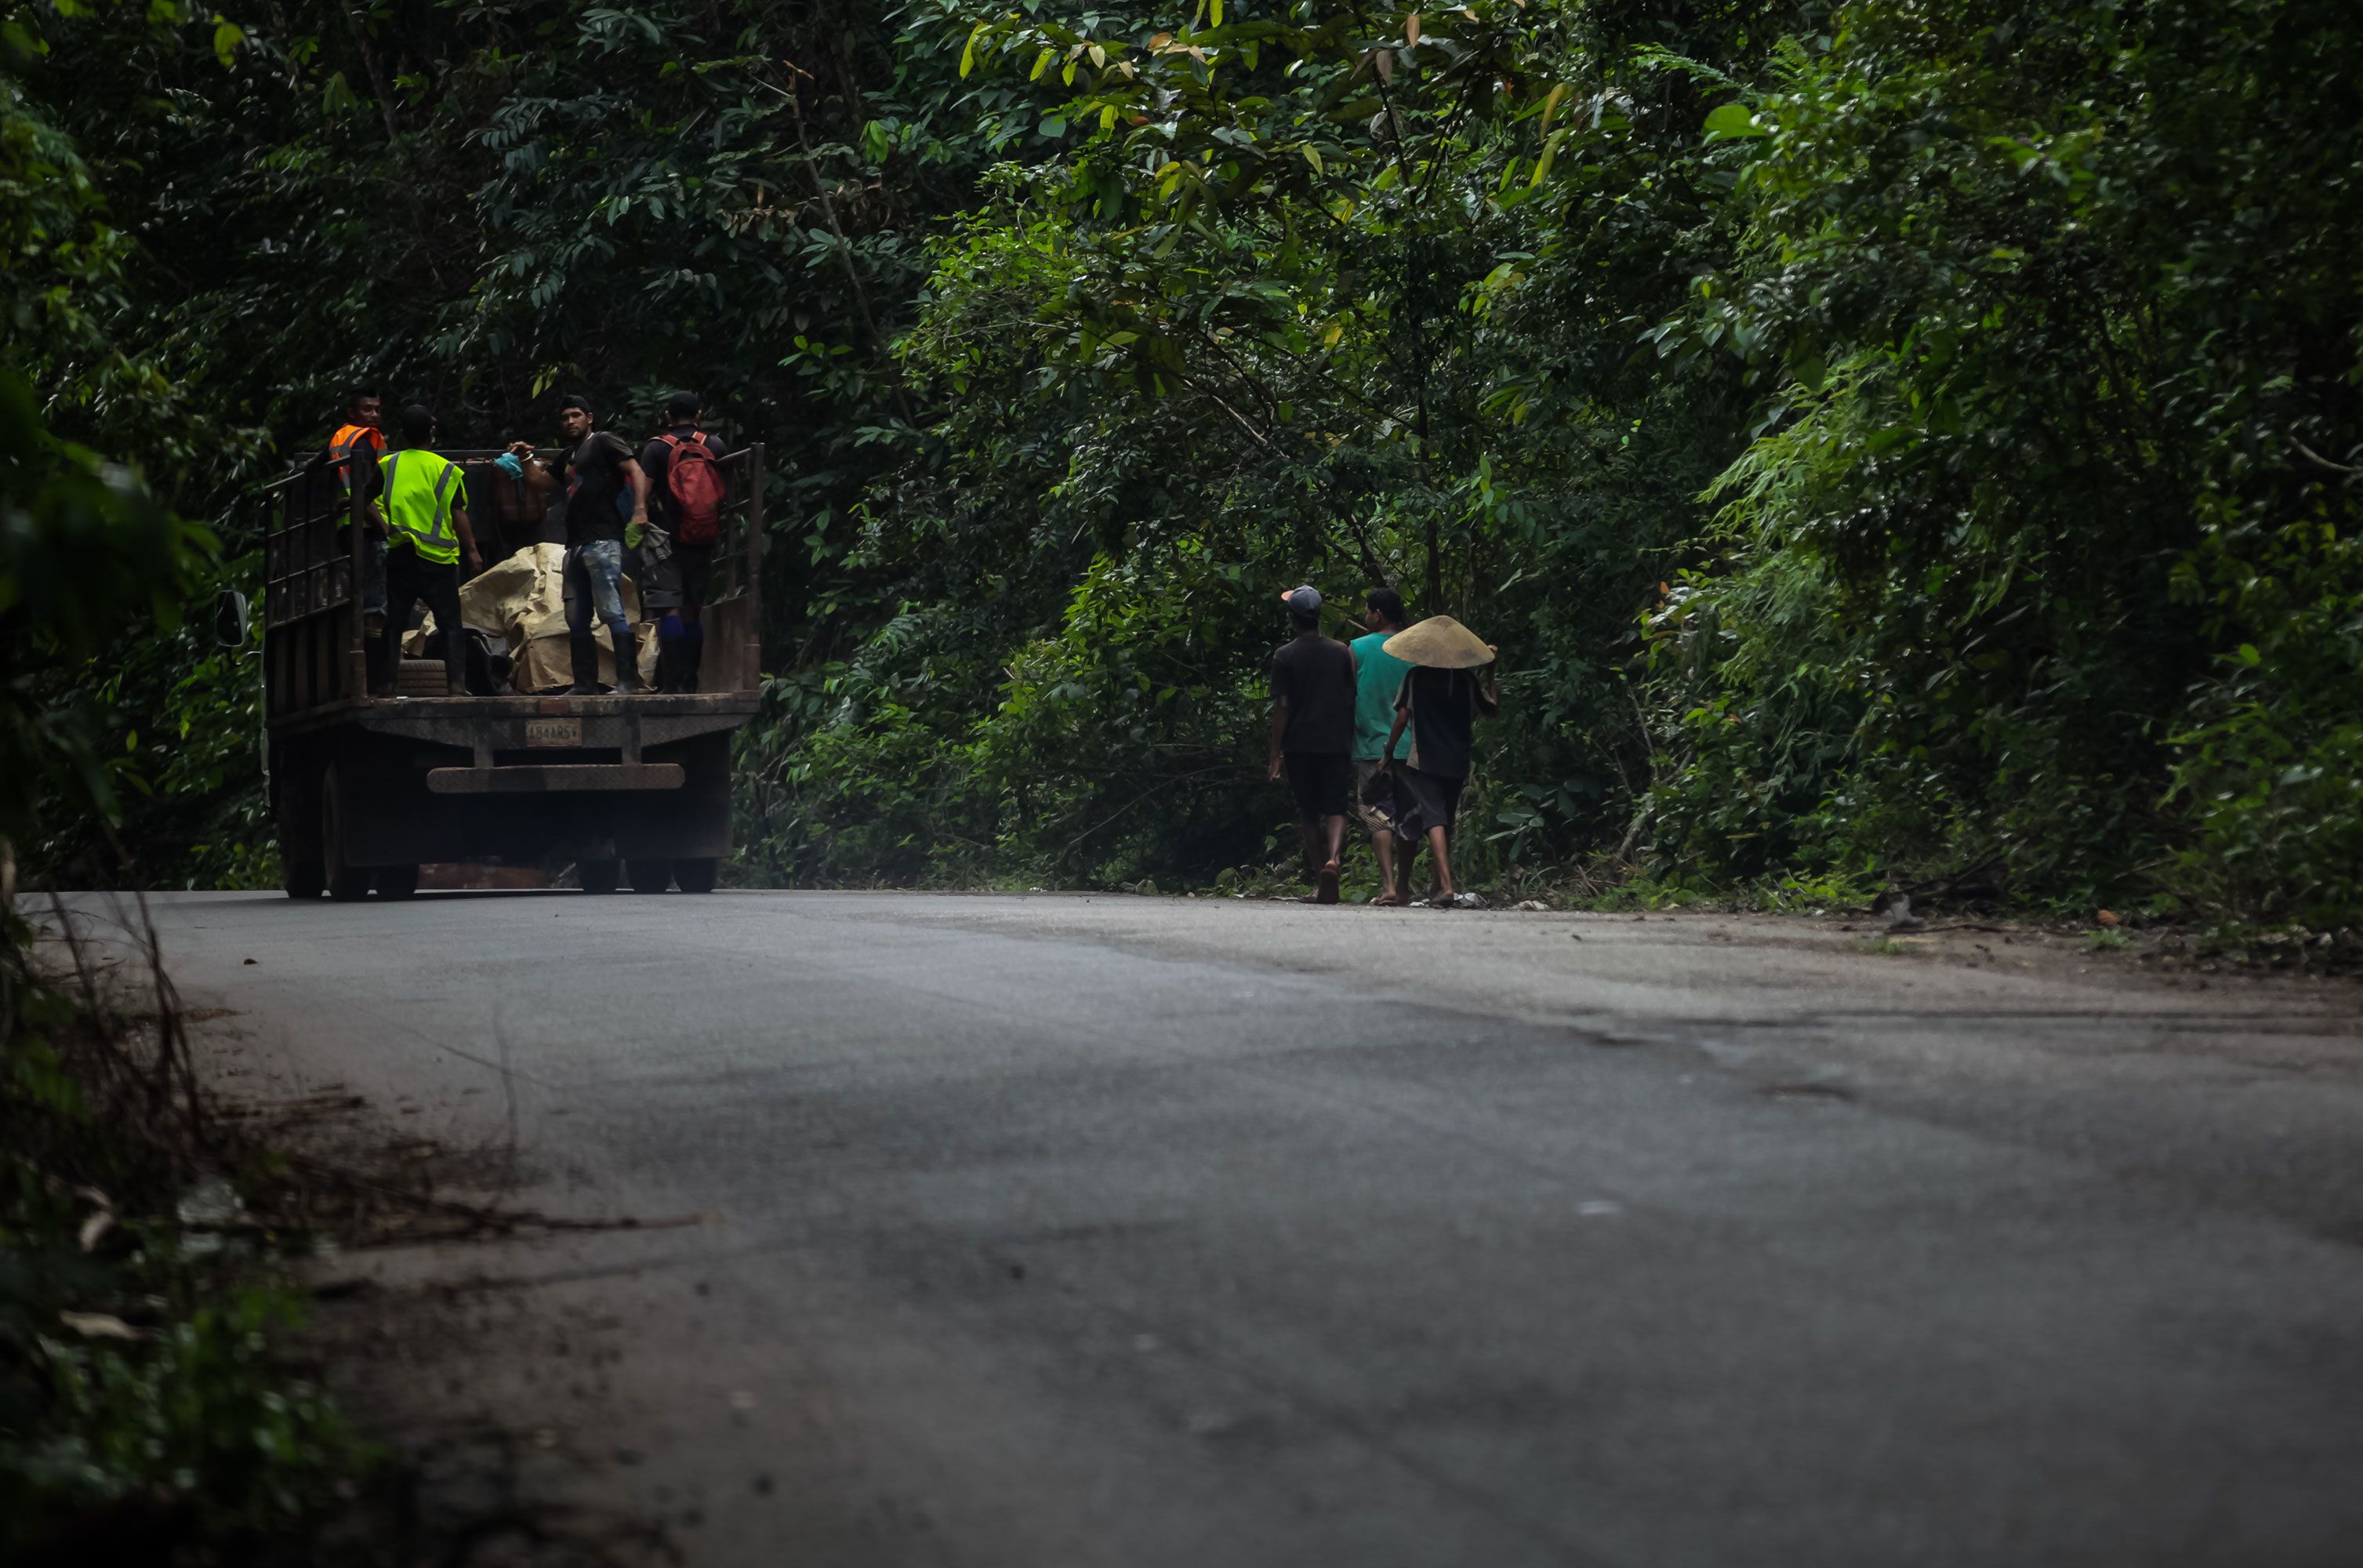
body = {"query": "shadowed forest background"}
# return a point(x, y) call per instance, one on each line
point(1911, 437)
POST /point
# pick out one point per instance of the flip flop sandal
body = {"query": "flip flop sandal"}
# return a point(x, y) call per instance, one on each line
point(1325, 890)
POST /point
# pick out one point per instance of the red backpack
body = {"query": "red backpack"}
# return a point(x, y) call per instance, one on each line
point(695, 484)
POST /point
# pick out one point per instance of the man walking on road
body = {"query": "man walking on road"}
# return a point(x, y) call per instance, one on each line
point(676, 553)
point(1378, 679)
point(1438, 707)
point(421, 505)
point(593, 475)
point(1313, 734)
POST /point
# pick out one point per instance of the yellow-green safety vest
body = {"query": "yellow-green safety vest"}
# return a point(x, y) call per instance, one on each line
point(421, 488)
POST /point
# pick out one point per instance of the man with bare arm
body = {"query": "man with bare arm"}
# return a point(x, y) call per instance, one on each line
point(599, 465)
point(1437, 707)
point(1378, 679)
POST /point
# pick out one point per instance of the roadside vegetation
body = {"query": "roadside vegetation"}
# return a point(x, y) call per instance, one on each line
point(146, 1404)
point(1889, 443)
point(149, 1409)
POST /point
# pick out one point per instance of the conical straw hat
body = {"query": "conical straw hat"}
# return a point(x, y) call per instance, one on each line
point(1440, 643)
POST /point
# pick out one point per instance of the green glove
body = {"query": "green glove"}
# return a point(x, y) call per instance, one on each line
point(632, 535)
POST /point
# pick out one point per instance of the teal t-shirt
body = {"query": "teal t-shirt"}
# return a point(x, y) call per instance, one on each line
point(1378, 676)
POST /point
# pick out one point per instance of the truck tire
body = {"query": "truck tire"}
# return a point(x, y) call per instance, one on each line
point(695, 876)
point(598, 876)
point(346, 882)
point(397, 882)
point(300, 870)
point(421, 678)
point(647, 875)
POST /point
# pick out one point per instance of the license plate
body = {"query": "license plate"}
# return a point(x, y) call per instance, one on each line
point(553, 732)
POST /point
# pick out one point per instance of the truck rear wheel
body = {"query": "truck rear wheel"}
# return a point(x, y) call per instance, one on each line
point(300, 872)
point(346, 882)
point(695, 876)
point(647, 875)
point(598, 876)
point(397, 882)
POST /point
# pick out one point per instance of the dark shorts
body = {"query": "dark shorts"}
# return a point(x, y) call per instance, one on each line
point(1322, 781)
point(1423, 801)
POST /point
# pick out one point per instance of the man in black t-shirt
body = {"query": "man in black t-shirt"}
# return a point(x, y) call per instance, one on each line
point(598, 468)
point(673, 572)
point(1313, 734)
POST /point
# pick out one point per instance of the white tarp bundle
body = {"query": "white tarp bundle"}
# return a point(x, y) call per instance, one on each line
point(523, 601)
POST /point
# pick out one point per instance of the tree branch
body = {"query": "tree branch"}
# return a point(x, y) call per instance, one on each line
point(2319, 460)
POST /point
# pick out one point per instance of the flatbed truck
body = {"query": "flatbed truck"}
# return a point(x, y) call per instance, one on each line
point(365, 789)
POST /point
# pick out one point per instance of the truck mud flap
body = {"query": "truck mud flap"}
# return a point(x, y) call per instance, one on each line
point(556, 777)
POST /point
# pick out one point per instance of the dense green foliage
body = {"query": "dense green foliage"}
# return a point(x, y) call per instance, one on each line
point(2057, 534)
point(1885, 437)
point(85, 546)
point(112, 1434)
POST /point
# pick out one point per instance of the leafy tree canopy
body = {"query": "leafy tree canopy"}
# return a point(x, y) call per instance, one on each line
point(1883, 437)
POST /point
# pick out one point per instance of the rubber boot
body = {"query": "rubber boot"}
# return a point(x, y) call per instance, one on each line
point(693, 654)
point(669, 652)
point(585, 656)
point(381, 681)
point(627, 662)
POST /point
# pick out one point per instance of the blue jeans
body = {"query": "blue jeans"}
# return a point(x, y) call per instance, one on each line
point(594, 580)
point(372, 575)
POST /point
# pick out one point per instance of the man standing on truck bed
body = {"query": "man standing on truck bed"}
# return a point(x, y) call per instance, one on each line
point(352, 453)
point(677, 556)
point(421, 504)
point(592, 476)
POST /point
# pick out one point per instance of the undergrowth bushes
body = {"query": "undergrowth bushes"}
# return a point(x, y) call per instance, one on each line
point(147, 1411)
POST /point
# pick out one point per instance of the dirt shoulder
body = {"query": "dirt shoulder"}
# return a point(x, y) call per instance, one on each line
point(440, 1323)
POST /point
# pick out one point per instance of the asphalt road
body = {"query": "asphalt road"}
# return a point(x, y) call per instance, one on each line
point(1047, 1231)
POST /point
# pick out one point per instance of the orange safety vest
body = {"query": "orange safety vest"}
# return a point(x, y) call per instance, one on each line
point(347, 440)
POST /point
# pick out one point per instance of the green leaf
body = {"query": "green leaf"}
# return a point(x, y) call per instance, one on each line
point(1550, 153)
point(1733, 122)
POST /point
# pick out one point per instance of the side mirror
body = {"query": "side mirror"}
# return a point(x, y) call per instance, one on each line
point(231, 618)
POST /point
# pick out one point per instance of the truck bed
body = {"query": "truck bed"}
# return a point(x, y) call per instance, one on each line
point(430, 718)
